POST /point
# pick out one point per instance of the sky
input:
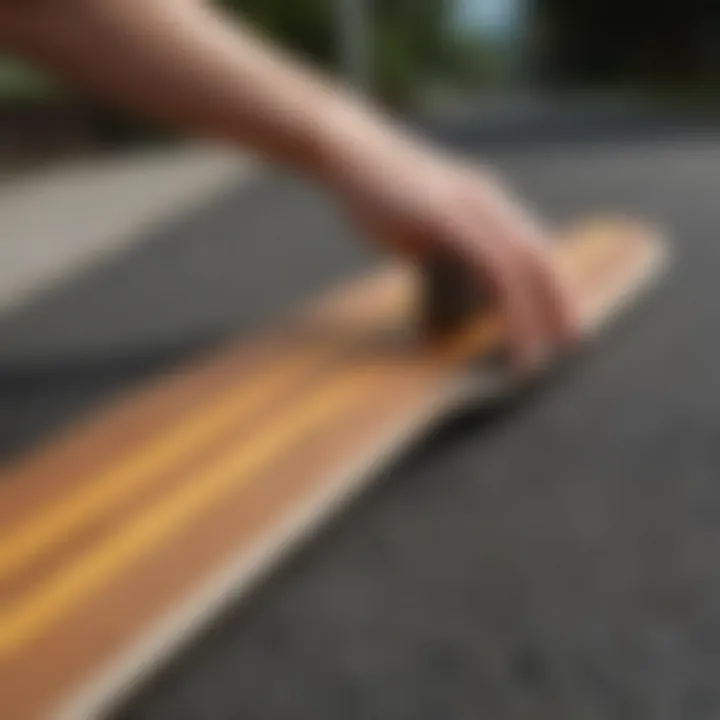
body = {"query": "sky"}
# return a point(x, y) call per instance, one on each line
point(492, 17)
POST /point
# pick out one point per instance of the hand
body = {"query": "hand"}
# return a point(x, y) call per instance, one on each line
point(183, 62)
point(413, 201)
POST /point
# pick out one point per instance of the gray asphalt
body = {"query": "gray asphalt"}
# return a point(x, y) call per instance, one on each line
point(561, 560)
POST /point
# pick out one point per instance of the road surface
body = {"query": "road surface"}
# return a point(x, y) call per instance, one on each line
point(561, 561)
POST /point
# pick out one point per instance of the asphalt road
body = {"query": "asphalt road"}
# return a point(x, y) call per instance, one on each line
point(558, 561)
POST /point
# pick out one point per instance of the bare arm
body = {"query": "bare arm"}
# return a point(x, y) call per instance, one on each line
point(184, 62)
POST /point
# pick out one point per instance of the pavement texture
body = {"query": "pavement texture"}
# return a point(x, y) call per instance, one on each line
point(559, 560)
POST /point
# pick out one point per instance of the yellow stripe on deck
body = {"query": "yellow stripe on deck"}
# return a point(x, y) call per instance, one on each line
point(107, 489)
point(155, 525)
point(158, 523)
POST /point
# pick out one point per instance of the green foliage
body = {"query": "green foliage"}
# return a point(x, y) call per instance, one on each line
point(471, 64)
point(21, 83)
point(394, 66)
point(407, 37)
point(409, 47)
point(302, 25)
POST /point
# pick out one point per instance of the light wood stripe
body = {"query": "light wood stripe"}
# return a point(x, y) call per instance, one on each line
point(130, 475)
point(159, 522)
point(28, 615)
point(109, 488)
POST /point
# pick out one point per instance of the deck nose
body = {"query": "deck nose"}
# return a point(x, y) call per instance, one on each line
point(609, 258)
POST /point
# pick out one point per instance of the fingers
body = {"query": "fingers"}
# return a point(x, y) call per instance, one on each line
point(532, 299)
point(500, 266)
point(559, 315)
point(515, 225)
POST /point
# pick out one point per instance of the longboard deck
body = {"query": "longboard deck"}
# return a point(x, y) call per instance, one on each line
point(121, 538)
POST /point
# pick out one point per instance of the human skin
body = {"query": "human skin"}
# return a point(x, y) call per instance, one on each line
point(184, 62)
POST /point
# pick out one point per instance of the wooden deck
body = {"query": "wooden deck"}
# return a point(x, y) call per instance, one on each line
point(121, 538)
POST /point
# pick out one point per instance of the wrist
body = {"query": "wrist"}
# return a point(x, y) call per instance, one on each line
point(351, 142)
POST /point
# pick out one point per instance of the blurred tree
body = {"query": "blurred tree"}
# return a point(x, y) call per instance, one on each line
point(471, 64)
point(411, 46)
point(307, 26)
point(407, 36)
point(20, 82)
point(643, 42)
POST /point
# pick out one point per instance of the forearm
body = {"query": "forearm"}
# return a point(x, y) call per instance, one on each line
point(185, 63)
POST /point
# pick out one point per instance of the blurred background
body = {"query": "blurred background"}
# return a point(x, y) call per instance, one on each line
point(438, 55)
